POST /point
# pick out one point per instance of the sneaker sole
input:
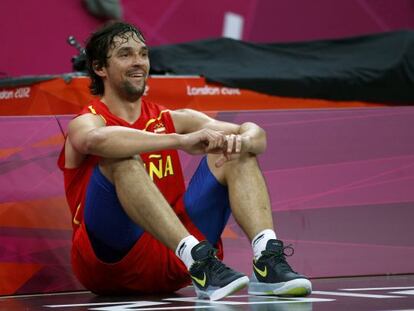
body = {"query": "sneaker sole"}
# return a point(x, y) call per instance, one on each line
point(225, 291)
point(293, 288)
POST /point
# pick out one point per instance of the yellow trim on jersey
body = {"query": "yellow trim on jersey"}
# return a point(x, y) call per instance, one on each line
point(75, 221)
point(156, 156)
point(93, 111)
point(154, 120)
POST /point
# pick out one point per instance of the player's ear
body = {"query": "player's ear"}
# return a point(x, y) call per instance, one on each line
point(98, 68)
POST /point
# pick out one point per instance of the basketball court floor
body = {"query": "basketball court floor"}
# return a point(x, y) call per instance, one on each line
point(384, 293)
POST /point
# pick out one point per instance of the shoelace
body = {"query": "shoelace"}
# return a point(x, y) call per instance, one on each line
point(213, 262)
point(280, 253)
point(280, 257)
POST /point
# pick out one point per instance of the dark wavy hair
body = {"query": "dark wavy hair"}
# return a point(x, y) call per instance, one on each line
point(98, 45)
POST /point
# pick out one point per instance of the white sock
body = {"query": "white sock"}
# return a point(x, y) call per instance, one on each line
point(183, 250)
point(260, 240)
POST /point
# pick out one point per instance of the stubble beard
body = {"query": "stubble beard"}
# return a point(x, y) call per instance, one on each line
point(133, 92)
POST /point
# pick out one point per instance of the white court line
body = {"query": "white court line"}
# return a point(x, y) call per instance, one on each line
point(354, 295)
point(213, 302)
point(285, 300)
point(378, 288)
point(404, 292)
point(154, 305)
point(267, 300)
point(164, 308)
point(95, 304)
point(45, 295)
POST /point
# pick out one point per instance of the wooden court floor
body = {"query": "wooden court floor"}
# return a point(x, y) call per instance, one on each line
point(384, 293)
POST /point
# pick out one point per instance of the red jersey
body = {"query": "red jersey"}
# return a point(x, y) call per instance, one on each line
point(149, 266)
point(163, 166)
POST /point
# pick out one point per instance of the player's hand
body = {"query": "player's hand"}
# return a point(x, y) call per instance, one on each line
point(203, 141)
point(233, 146)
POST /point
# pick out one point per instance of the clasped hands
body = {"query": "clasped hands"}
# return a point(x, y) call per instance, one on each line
point(229, 146)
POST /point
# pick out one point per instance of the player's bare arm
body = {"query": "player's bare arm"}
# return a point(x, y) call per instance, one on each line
point(247, 137)
point(87, 134)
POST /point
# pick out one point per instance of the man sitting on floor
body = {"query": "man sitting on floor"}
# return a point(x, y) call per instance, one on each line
point(136, 228)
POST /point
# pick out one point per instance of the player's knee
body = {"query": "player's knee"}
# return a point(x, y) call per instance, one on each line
point(242, 160)
point(113, 168)
point(242, 164)
point(131, 165)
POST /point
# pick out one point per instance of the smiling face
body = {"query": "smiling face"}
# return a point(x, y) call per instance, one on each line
point(127, 67)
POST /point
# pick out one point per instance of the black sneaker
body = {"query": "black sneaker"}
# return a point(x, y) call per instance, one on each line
point(272, 275)
point(212, 279)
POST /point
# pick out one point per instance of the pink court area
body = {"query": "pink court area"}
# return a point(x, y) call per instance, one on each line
point(340, 294)
point(340, 181)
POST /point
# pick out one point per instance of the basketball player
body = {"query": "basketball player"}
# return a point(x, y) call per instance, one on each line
point(136, 228)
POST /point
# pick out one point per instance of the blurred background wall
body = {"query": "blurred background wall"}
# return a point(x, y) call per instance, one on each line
point(33, 33)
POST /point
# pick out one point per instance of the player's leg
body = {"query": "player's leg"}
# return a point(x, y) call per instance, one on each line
point(251, 208)
point(248, 193)
point(142, 201)
point(207, 204)
point(111, 232)
point(142, 207)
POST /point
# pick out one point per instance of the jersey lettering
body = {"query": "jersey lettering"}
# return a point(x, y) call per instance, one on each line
point(159, 167)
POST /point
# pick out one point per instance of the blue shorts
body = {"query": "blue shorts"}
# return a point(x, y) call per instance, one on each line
point(113, 233)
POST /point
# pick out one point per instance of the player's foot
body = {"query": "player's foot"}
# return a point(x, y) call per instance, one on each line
point(212, 279)
point(272, 275)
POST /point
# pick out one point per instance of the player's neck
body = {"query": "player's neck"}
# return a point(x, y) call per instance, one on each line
point(123, 108)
